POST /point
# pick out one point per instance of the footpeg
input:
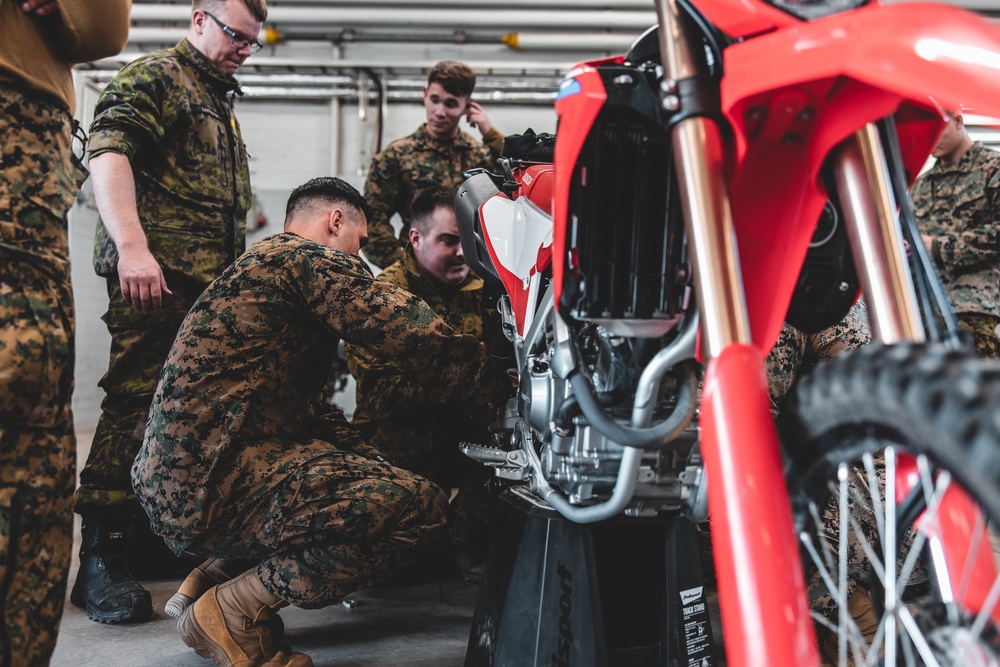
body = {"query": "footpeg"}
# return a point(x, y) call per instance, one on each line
point(484, 455)
point(506, 464)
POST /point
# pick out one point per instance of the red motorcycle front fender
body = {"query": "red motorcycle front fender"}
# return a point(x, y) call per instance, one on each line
point(794, 94)
point(915, 51)
point(753, 539)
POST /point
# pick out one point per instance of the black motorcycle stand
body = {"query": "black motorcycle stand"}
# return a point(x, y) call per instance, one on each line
point(621, 593)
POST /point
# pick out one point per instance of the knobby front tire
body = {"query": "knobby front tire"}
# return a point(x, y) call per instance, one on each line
point(847, 429)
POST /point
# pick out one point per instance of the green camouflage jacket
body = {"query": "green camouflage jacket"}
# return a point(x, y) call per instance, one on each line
point(958, 205)
point(410, 165)
point(171, 113)
point(242, 386)
point(401, 417)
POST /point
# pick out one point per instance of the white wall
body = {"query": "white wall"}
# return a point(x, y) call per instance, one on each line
point(91, 299)
point(289, 142)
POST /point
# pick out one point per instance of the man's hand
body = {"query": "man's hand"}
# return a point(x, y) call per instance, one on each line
point(477, 118)
point(141, 279)
point(928, 242)
point(40, 7)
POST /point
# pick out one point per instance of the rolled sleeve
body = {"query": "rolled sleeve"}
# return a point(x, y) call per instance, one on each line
point(125, 122)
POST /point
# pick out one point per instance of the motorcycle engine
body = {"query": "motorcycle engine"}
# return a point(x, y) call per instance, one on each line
point(575, 457)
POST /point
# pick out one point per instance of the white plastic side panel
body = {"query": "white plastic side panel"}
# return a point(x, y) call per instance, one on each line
point(517, 231)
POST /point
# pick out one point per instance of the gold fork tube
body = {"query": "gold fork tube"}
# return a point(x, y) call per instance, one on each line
point(870, 213)
point(765, 623)
point(708, 219)
point(675, 48)
point(712, 240)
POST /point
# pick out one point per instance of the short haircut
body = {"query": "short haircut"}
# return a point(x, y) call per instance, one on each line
point(428, 201)
point(324, 191)
point(455, 77)
point(258, 8)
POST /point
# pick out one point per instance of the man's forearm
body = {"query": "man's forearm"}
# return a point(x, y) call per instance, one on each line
point(114, 190)
point(142, 282)
point(383, 381)
point(969, 248)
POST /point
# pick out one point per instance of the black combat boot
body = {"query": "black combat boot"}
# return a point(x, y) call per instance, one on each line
point(104, 586)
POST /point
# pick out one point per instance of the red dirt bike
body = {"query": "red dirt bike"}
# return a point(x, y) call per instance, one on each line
point(745, 164)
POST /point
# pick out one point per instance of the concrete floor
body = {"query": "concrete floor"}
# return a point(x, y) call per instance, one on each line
point(417, 626)
point(423, 625)
point(420, 625)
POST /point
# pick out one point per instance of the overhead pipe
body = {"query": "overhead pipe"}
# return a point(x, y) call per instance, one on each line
point(568, 41)
point(285, 92)
point(402, 88)
point(348, 36)
point(381, 103)
point(488, 17)
point(494, 96)
point(271, 36)
point(518, 41)
point(526, 83)
point(291, 79)
point(137, 35)
point(325, 88)
point(282, 92)
point(483, 68)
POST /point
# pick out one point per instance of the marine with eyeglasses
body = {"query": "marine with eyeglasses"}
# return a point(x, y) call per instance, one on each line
point(172, 185)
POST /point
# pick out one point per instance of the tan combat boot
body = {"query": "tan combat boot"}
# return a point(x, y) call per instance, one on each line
point(863, 612)
point(860, 607)
point(231, 624)
point(212, 572)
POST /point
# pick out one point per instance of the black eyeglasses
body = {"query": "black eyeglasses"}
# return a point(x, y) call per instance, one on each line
point(239, 41)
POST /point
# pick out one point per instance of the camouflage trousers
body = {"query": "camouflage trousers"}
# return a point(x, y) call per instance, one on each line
point(469, 516)
point(796, 353)
point(984, 333)
point(862, 510)
point(336, 524)
point(39, 180)
point(866, 514)
point(140, 343)
point(440, 460)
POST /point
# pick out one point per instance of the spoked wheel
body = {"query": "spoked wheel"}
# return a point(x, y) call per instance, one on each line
point(894, 473)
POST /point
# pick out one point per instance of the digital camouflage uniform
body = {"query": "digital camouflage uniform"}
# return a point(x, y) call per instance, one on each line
point(407, 167)
point(243, 458)
point(958, 205)
point(412, 424)
point(171, 113)
point(795, 352)
point(39, 179)
point(37, 443)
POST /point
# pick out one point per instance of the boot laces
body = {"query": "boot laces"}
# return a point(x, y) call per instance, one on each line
point(116, 568)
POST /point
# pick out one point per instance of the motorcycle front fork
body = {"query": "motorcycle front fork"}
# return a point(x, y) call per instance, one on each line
point(765, 613)
point(869, 206)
